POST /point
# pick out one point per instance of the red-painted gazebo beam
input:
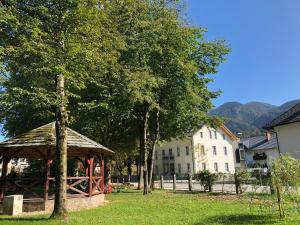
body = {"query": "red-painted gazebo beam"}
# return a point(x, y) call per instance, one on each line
point(102, 175)
point(90, 165)
point(48, 163)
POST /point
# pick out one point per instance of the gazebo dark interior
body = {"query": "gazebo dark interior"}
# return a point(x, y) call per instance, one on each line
point(40, 144)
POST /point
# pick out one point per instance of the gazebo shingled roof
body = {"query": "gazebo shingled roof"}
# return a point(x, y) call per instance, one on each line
point(37, 142)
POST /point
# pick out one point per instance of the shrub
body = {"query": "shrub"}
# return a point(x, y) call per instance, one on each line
point(207, 179)
point(285, 178)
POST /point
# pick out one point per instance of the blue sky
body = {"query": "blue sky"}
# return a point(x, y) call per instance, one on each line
point(264, 36)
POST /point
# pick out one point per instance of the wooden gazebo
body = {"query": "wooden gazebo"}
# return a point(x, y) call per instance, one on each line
point(40, 144)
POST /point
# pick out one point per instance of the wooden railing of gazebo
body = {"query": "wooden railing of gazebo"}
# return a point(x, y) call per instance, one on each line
point(95, 183)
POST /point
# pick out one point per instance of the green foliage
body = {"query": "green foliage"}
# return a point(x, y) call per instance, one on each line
point(243, 176)
point(207, 179)
point(121, 59)
point(286, 180)
point(35, 168)
point(286, 171)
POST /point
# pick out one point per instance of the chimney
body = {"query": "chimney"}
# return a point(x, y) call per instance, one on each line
point(268, 136)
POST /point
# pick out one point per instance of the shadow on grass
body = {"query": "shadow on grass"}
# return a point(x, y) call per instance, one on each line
point(22, 219)
point(240, 220)
point(186, 192)
point(127, 191)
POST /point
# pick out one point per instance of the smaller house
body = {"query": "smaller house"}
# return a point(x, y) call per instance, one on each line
point(257, 152)
point(287, 128)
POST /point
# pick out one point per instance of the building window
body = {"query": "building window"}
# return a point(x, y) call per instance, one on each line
point(225, 150)
point(224, 137)
point(202, 150)
point(214, 150)
point(187, 150)
point(216, 167)
point(203, 166)
point(210, 134)
point(179, 168)
point(178, 151)
point(188, 167)
point(237, 156)
point(170, 152)
point(242, 154)
point(166, 168)
point(156, 168)
point(216, 135)
point(201, 134)
point(163, 152)
point(156, 154)
point(227, 167)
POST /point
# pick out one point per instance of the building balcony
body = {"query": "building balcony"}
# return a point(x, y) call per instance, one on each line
point(260, 156)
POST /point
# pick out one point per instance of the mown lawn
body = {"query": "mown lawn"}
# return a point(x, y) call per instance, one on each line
point(162, 207)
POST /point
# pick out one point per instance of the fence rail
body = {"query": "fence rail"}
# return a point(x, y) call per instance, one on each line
point(187, 183)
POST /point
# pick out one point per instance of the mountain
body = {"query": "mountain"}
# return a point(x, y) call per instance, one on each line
point(251, 117)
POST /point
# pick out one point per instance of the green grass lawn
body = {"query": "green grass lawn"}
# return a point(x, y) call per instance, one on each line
point(162, 207)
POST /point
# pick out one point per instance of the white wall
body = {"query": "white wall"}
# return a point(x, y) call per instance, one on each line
point(271, 154)
point(289, 139)
point(183, 159)
point(195, 157)
point(209, 158)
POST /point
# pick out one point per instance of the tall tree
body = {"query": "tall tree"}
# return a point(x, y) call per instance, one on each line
point(43, 43)
point(167, 62)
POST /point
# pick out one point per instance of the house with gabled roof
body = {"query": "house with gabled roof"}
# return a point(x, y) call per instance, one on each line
point(206, 149)
point(257, 152)
point(287, 128)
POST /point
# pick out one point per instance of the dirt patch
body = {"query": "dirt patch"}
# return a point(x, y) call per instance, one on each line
point(232, 197)
point(219, 197)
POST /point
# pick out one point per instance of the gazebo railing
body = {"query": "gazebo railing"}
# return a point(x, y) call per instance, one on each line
point(76, 186)
point(24, 185)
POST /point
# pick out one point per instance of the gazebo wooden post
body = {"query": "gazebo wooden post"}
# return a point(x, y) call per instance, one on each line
point(91, 163)
point(102, 175)
point(5, 162)
point(48, 162)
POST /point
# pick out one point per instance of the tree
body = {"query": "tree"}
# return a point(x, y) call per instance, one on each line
point(166, 64)
point(135, 71)
point(42, 44)
point(286, 178)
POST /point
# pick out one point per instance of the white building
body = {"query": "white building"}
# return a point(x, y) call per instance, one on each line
point(287, 128)
point(17, 165)
point(208, 148)
point(257, 152)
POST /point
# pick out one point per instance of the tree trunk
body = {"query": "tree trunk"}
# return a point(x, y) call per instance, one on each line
point(140, 173)
point(60, 210)
point(152, 150)
point(143, 146)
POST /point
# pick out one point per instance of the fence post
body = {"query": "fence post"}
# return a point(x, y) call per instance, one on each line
point(272, 190)
point(161, 182)
point(174, 182)
point(209, 186)
point(118, 188)
point(190, 182)
point(236, 184)
point(152, 183)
